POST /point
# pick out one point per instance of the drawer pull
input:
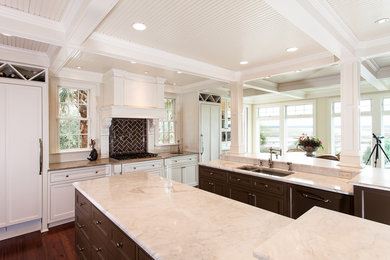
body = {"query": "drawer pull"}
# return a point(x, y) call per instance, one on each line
point(82, 204)
point(81, 249)
point(238, 179)
point(313, 197)
point(211, 173)
point(210, 183)
point(98, 250)
point(134, 168)
point(96, 172)
point(119, 244)
point(153, 165)
point(266, 186)
point(67, 176)
point(80, 226)
point(175, 161)
point(98, 222)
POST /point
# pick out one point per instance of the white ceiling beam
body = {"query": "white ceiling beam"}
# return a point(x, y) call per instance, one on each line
point(124, 50)
point(263, 85)
point(371, 78)
point(373, 48)
point(202, 85)
point(8, 53)
point(318, 20)
point(384, 72)
point(307, 62)
point(59, 60)
point(252, 92)
point(273, 90)
point(310, 83)
point(21, 24)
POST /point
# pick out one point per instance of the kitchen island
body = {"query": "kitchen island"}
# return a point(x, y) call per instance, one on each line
point(169, 220)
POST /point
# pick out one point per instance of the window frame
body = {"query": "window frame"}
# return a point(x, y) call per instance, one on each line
point(157, 128)
point(58, 118)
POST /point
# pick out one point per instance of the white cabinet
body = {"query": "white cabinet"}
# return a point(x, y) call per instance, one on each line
point(151, 166)
point(61, 191)
point(209, 131)
point(20, 168)
point(183, 169)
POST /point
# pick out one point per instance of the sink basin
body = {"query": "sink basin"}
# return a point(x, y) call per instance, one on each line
point(176, 152)
point(274, 172)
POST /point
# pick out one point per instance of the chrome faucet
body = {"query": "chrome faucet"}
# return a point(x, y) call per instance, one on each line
point(271, 151)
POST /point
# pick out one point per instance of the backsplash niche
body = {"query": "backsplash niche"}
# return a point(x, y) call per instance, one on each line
point(127, 136)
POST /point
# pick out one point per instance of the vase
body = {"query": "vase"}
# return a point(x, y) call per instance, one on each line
point(309, 150)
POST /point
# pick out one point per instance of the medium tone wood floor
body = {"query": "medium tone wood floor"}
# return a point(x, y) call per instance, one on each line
point(58, 243)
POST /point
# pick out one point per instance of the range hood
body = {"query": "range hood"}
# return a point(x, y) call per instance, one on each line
point(129, 95)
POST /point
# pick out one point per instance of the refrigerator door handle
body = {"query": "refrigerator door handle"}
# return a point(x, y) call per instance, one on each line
point(40, 156)
point(201, 143)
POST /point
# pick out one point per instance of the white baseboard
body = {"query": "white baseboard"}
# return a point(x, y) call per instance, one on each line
point(57, 223)
point(20, 229)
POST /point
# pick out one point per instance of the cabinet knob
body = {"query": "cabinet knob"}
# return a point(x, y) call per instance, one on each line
point(238, 179)
point(96, 172)
point(119, 244)
point(210, 183)
point(153, 165)
point(98, 249)
point(266, 186)
point(211, 173)
point(81, 249)
point(67, 176)
point(98, 222)
point(82, 204)
point(80, 226)
point(250, 194)
point(134, 168)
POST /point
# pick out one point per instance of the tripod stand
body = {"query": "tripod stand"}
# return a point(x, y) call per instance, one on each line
point(376, 149)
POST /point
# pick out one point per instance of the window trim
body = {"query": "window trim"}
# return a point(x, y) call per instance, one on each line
point(157, 125)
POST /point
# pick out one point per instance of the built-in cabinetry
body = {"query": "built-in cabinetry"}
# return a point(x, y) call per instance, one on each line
point(226, 122)
point(275, 196)
point(61, 191)
point(209, 129)
point(97, 237)
point(21, 158)
point(152, 166)
point(372, 204)
point(182, 169)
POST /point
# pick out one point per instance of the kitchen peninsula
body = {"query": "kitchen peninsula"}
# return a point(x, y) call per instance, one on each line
point(162, 219)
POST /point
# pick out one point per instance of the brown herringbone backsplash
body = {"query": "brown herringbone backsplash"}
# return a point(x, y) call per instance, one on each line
point(128, 135)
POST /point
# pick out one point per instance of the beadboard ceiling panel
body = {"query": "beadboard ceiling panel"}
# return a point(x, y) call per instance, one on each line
point(50, 9)
point(360, 17)
point(218, 32)
point(23, 43)
point(101, 64)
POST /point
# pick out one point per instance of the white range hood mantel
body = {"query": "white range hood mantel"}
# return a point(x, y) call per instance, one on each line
point(129, 95)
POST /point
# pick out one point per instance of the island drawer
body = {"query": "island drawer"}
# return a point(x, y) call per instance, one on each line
point(212, 173)
point(125, 248)
point(101, 249)
point(77, 174)
point(83, 204)
point(268, 186)
point(82, 246)
point(82, 224)
point(240, 179)
point(101, 224)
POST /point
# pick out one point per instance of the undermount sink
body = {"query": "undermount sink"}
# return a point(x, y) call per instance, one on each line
point(274, 172)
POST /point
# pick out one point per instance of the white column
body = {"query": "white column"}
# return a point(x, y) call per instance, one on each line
point(350, 113)
point(237, 134)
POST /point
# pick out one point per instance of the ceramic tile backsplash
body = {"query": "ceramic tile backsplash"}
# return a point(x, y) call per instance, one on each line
point(128, 135)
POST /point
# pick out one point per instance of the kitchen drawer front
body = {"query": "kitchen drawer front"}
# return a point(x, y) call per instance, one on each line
point(212, 173)
point(83, 205)
point(101, 224)
point(268, 186)
point(83, 247)
point(77, 174)
point(125, 248)
point(180, 160)
point(141, 167)
point(240, 179)
point(83, 224)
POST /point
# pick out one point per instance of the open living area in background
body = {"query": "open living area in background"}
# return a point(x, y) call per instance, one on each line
point(162, 129)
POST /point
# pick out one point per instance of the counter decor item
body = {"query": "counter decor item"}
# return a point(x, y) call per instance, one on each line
point(309, 144)
point(93, 155)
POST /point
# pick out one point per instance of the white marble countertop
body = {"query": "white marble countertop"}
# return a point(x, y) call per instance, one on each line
point(377, 178)
point(172, 221)
point(323, 182)
point(325, 234)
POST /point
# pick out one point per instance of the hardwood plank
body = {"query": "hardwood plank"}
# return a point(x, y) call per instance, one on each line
point(58, 243)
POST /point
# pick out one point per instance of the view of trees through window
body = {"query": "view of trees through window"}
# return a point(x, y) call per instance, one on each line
point(167, 125)
point(73, 118)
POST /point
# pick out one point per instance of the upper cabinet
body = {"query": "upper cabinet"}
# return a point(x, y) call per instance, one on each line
point(226, 121)
point(22, 72)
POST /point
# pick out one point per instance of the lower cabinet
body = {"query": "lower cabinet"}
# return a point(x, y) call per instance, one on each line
point(151, 166)
point(97, 237)
point(182, 169)
point(303, 198)
point(213, 180)
point(372, 204)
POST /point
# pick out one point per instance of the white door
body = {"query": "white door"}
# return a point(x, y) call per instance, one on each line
point(189, 175)
point(61, 202)
point(176, 174)
point(23, 131)
point(205, 132)
point(3, 179)
point(214, 132)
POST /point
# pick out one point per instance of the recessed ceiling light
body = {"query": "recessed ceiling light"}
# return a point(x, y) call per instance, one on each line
point(267, 77)
point(6, 34)
point(133, 62)
point(146, 72)
point(298, 70)
point(78, 67)
point(139, 26)
point(179, 72)
point(174, 83)
point(382, 20)
point(244, 62)
point(292, 49)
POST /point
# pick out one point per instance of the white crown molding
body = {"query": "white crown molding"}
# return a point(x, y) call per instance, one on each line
point(310, 83)
point(373, 48)
point(371, 78)
point(12, 54)
point(317, 60)
point(372, 65)
point(384, 72)
point(80, 75)
point(109, 46)
point(133, 76)
point(201, 85)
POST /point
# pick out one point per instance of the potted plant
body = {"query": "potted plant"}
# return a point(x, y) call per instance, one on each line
point(309, 144)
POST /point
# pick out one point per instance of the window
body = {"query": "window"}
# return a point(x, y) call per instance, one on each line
point(269, 124)
point(167, 126)
point(73, 118)
point(299, 120)
point(365, 128)
point(386, 130)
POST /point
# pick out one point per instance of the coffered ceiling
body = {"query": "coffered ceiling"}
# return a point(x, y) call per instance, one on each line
point(22, 43)
point(218, 32)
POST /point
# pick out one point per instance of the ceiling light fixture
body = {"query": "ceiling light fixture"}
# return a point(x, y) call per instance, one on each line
point(139, 26)
point(267, 77)
point(78, 67)
point(244, 62)
point(382, 20)
point(292, 49)
point(6, 34)
point(133, 62)
point(298, 71)
point(146, 72)
point(179, 72)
